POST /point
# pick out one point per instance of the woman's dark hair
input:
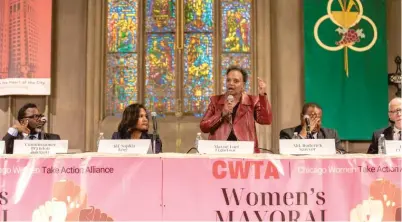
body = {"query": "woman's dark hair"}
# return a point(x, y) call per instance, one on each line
point(240, 69)
point(129, 120)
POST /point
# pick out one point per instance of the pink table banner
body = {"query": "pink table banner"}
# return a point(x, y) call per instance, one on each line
point(279, 189)
point(194, 188)
point(81, 189)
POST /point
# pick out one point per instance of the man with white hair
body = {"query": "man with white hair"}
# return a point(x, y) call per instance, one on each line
point(392, 132)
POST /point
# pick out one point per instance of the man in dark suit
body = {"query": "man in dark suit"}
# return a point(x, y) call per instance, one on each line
point(314, 111)
point(393, 132)
point(29, 126)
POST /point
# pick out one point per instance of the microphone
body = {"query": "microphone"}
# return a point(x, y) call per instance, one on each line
point(154, 122)
point(306, 119)
point(230, 100)
point(43, 120)
point(155, 132)
point(39, 128)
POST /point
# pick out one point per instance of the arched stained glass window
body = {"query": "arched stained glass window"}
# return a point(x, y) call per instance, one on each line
point(122, 55)
point(160, 60)
point(236, 36)
point(160, 52)
point(198, 55)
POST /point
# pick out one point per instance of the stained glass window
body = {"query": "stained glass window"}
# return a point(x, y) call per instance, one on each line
point(198, 55)
point(198, 76)
point(160, 73)
point(154, 69)
point(121, 81)
point(199, 15)
point(161, 15)
point(236, 37)
point(160, 58)
point(121, 72)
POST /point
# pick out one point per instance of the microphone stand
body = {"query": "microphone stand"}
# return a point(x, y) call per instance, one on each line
point(154, 135)
point(231, 121)
point(42, 133)
point(309, 135)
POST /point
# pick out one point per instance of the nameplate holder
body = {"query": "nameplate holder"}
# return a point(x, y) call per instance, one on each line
point(393, 147)
point(2, 147)
point(141, 146)
point(40, 147)
point(307, 146)
point(225, 147)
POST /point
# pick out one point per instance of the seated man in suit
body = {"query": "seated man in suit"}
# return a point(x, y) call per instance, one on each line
point(29, 126)
point(314, 111)
point(392, 132)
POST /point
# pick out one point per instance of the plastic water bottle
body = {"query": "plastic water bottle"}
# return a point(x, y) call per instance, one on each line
point(198, 138)
point(381, 144)
point(101, 137)
point(295, 135)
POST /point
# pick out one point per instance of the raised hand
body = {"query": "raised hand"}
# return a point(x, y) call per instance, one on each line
point(22, 127)
point(262, 86)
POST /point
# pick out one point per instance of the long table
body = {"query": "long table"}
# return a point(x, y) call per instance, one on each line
point(178, 187)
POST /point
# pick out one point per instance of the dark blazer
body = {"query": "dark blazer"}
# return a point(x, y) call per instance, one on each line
point(158, 142)
point(9, 140)
point(324, 133)
point(388, 134)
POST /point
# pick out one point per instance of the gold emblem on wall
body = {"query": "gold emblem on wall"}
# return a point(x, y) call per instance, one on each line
point(346, 20)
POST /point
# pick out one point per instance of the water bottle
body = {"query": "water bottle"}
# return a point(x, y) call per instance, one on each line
point(198, 138)
point(295, 135)
point(381, 144)
point(101, 137)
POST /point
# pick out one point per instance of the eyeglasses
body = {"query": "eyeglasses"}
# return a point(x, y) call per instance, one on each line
point(396, 111)
point(35, 116)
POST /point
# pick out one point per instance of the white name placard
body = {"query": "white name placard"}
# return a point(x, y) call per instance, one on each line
point(224, 147)
point(307, 147)
point(142, 146)
point(393, 147)
point(40, 147)
point(2, 147)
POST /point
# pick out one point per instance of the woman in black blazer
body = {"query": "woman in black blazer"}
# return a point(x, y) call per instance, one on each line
point(134, 125)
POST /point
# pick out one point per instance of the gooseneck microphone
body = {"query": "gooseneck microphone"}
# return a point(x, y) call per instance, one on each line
point(40, 128)
point(308, 127)
point(230, 100)
point(155, 132)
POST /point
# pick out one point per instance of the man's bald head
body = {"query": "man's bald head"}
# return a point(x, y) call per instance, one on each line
point(395, 111)
point(397, 101)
